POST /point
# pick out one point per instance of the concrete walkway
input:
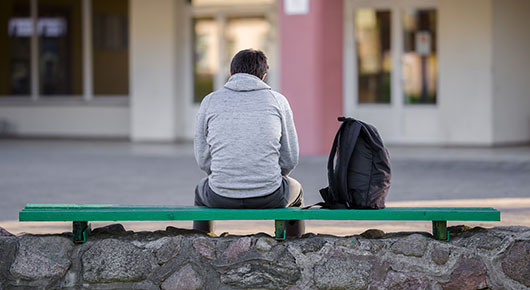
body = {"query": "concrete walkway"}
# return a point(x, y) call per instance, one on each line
point(59, 171)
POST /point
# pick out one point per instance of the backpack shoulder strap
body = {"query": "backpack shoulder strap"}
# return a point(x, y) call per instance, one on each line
point(350, 134)
point(331, 166)
point(334, 205)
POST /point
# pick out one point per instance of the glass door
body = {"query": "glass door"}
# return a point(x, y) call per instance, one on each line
point(419, 59)
point(391, 66)
point(220, 30)
point(374, 55)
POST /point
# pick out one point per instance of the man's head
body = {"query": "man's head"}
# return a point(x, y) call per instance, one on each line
point(250, 61)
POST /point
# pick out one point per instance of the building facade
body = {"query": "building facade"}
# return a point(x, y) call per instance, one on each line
point(440, 72)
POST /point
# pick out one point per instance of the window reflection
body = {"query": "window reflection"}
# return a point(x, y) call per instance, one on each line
point(59, 30)
point(374, 62)
point(206, 58)
point(420, 69)
point(240, 33)
point(219, 3)
point(243, 33)
point(110, 47)
point(16, 28)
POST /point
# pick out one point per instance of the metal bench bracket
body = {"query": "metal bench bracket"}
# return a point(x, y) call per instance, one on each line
point(279, 232)
point(439, 230)
point(81, 230)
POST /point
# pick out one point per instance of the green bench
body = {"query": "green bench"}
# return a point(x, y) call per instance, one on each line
point(81, 214)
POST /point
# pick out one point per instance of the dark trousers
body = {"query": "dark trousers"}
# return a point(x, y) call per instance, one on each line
point(290, 194)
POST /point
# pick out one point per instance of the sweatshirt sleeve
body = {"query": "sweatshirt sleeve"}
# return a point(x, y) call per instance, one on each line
point(200, 145)
point(288, 142)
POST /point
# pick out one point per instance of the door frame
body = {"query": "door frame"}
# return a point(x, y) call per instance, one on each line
point(220, 15)
point(395, 114)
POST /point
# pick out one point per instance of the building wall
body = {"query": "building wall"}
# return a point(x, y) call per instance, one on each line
point(66, 120)
point(311, 71)
point(465, 67)
point(186, 109)
point(156, 62)
point(421, 124)
point(511, 71)
point(110, 66)
point(484, 82)
point(70, 115)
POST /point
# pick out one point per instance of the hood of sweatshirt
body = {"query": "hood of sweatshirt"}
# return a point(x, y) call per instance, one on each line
point(242, 82)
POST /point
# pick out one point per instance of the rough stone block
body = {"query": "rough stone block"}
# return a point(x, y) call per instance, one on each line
point(469, 273)
point(8, 251)
point(165, 248)
point(41, 257)
point(113, 229)
point(351, 243)
point(373, 246)
point(311, 245)
point(112, 260)
point(480, 240)
point(262, 274)
point(516, 262)
point(343, 273)
point(400, 281)
point(238, 247)
point(265, 244)
point(185, 278)
point(144, 285)
point(440, 256)
point(5, 233)
point(373, 234)
point(205, 248)
point(413, 245)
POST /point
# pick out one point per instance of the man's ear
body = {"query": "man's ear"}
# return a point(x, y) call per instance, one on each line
point(264, 76)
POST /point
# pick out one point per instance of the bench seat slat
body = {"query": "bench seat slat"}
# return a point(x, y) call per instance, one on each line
point(72, 212)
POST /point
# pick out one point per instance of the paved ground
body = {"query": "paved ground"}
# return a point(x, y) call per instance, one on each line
point(55, 171)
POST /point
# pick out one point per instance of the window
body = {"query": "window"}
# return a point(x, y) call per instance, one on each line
point(206, 59)
point(59, 32)
point(219, 3)
point(374, 56)
point(110, 47)
point(15, 36)
point(239, 33)
point(220, 30)
point(246, 32)
point(419, 60)
point(45, 54)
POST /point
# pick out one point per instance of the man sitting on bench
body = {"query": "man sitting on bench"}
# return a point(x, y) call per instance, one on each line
point(245, 140)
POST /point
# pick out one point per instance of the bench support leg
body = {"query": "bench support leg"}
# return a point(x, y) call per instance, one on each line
point(439, 230)
point(80, 231)
point(279, 232)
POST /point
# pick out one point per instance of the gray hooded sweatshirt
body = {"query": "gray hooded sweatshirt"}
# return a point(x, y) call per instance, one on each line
point(245, 138)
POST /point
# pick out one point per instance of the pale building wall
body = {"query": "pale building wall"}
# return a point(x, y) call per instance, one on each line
point(511, 71)
point(158, 71)
point(465, 67)
point(157, 113)
point(67, 120)
point(185, 119)
point(421, 125)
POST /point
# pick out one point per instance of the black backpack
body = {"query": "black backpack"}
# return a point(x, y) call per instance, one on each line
point(359, 175)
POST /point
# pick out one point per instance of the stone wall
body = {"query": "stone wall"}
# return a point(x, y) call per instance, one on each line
point(497, 258)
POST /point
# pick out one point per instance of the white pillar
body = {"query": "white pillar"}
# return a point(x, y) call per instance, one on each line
point(155, 87)
point(511, 76)
point(465, 71)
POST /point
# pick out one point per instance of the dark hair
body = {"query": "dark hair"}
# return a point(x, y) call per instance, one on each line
point(250, 61)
